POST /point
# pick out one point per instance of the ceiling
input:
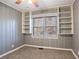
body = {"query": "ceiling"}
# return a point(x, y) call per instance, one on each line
point(43, 4)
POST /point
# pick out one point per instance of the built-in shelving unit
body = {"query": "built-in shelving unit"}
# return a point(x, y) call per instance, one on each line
point(65, 19)
point(26, 23)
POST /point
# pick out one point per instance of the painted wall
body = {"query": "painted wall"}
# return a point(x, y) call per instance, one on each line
point(10, 28)
point(76, 27)
point(61, 42)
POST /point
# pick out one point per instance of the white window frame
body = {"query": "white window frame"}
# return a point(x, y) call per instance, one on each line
point(44, 15)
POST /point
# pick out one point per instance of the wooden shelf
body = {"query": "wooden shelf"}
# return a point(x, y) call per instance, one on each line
point(26, 21)
point(65, 28)
point(64, 17)
point(27, 16)
point(26, 29)
point(65, 12)
point(26, 25)
point(50, 26)
point(66, 33)
point(65, 23)
point(37, 26)
point(27, 34)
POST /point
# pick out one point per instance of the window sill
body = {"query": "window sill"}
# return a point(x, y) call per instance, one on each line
point(34, 37)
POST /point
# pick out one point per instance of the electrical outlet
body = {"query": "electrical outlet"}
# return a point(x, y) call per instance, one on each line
point(12, 45)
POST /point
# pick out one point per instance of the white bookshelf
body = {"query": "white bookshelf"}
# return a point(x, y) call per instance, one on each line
point(65, 19)
point(26, 23)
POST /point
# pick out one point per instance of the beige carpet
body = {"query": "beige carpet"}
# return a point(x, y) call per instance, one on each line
point(35, 53)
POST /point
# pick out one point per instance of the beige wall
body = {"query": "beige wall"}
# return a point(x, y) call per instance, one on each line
point(76, 25)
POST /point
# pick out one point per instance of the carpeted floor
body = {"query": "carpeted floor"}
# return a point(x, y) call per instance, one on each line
point(35, 53)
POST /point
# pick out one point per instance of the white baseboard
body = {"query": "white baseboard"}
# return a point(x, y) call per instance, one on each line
point(38, 47)
point(74, 54)
point(11, 51)
point(48, 47)
point(53, 48)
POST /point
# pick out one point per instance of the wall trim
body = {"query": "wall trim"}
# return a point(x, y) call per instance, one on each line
point(38, 47)
point(11, 51)
point(47, 47)
point(53, 48)
point(74, 54)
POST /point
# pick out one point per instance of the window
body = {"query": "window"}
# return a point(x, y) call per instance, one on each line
point(45, 27)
